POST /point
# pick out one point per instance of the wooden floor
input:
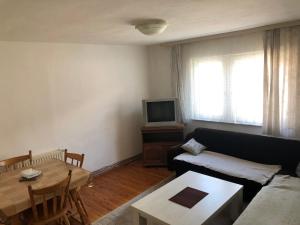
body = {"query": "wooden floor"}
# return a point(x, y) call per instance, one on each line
point(117, 186)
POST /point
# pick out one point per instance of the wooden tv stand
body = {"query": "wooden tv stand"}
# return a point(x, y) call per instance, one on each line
point(158, 140)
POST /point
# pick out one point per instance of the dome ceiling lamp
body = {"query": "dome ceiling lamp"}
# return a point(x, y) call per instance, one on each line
point(151, 26)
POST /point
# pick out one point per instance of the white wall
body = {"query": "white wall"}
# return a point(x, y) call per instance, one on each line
point(86, 98)
point(160, 86)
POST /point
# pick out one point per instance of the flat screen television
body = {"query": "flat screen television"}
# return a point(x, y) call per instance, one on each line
point(160, 112)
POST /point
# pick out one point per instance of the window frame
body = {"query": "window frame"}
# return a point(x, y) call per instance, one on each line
point(227, 62)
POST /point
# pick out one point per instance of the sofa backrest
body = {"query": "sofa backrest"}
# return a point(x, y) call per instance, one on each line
point(257, 148)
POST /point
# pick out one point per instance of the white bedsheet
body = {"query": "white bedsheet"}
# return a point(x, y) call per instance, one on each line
point(232, 166)
point(276, 204)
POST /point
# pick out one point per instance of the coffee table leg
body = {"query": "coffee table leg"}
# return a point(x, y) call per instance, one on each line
point(140, 220)
point(236, 206)
point(135, 217)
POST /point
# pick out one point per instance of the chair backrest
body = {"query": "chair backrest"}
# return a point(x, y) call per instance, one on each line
point(74, 158)
point(53, 199)
point(15, 162)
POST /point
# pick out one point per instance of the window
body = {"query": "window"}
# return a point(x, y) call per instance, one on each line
point(228, 88)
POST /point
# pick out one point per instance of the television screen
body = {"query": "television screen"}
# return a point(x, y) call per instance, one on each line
point(161, 111)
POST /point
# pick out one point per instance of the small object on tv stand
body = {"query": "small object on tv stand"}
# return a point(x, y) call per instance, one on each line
point(158, 140)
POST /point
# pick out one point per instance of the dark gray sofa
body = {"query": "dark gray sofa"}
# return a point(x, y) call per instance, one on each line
point(257, 148)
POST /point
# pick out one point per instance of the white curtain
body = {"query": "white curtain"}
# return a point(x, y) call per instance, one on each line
point(282, 82)
point(181, 83)
point(176, 70)
point(221, 79)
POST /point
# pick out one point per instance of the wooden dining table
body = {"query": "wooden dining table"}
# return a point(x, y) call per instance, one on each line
point(14, 197)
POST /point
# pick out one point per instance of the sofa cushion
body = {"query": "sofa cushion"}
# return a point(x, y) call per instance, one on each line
point(232, 166)
point(276, 204)
point(285, 182)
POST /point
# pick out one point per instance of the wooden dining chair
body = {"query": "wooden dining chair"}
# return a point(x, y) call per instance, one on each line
point(74, 159)
point(54, 203)
point(15, 162)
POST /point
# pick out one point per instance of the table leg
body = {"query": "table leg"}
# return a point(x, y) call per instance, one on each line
point(236, 206)
point(80, 207)
point(135, 217)
point(138, 219)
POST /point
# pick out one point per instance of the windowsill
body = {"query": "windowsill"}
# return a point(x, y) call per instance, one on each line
point(227, 123)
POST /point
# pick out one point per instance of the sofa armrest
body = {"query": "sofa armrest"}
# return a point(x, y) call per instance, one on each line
point(172, 153)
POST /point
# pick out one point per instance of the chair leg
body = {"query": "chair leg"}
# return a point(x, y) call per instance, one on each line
point(70, 201)
point(59, 221)
point(66, 220)
point(81, 203)
point(80, 207)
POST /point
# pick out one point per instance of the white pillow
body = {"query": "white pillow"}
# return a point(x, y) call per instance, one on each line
point(193, 147)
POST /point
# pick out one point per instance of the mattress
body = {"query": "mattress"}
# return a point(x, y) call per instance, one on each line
point(232, 166)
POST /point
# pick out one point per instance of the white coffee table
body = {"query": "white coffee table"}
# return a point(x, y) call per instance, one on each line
point(157, 209)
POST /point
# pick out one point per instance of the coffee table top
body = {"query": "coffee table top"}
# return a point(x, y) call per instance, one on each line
point(157, 204)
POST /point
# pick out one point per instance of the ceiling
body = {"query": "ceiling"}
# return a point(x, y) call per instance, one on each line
point(109, 21)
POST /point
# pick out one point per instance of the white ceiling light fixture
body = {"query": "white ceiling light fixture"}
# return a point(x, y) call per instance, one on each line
point(151, 26)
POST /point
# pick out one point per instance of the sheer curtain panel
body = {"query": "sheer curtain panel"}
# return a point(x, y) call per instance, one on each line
point(282, 82)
